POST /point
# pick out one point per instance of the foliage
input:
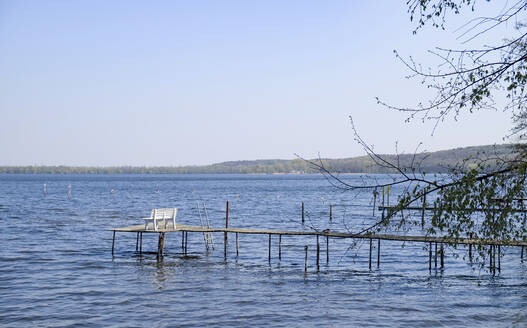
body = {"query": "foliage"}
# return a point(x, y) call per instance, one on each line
point(481, 198)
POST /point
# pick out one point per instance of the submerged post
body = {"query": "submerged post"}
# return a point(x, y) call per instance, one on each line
point(225, 235)
point(378, 253)
point(182, 241)
point(305, 262)
point(186, 241)
point(330, 212)
point(160, 245)
point(236, 244)
point(423, 212)
point(327, 249)
point(370, 251)
point(430, 256)
point(442, 256)
point(435, 256)
point(374, 200)
point(137, 242)
point(318, 255)
point(470, 248)
point(302, 212)
point(113, 241)
point(279, 247)
point(499, 258)
point(490, 258)
point(141, 243)
point(269, 248)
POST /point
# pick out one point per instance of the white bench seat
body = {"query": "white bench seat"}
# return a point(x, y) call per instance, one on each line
point(161, 216)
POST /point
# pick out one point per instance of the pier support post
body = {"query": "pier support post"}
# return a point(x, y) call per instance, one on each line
point(378, 253)
point(430, 256)
point(330, 212)
point(327, 249)
point(280, 247)
point(470, 248)
point(374, 200)
point(499, 258)
point(302, 212)
point(442, 256)
point(371, 243)
point(423, 212)
point(141, 243)
point(137, 242)
point(113, 241)
point(305, 261)
point(225, 235)
point(269, 248)
point(237, 245)
point(186, 242)
point(490, 258)
point(160, 245)
point(522, 252)
point(182, 241)
point(435, 256)
point(318, 255)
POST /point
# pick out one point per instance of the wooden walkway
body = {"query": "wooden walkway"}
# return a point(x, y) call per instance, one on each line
point(494, 245)
point(326, 233)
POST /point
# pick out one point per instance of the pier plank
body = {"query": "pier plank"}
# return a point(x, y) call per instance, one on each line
point(333, 234)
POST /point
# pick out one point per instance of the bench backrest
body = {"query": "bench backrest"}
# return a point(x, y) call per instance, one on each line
point(164, 213)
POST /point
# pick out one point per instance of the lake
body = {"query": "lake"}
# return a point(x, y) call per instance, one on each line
point(57, 268)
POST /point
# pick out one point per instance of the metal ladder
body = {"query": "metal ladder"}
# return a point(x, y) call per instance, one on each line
point(207, 236)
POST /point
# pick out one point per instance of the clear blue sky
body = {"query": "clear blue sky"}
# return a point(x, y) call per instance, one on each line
point(198, 82)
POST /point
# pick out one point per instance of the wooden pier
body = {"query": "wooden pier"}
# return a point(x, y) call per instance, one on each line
point(185, 229)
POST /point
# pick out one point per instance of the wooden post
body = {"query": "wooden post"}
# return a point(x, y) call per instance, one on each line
point(182, 241)
point(374, 200)
point(423, 212)
point(435, 256)
point(141, 243)
point(430, 256)
point(470, 248)
point(327, 249)
point(269, 248)
point(137, 242)
point(305, 262)
point(490, 258)
point(160, 245)
point(378, 253)
point(370, 251)
point(186, 241)
point(499, 258)
point(318, 255)
point(302, 212)
point(280, 247)
point(236, 244)
point(113, 241)
point(225, 235)
point(330, 212)
point(442, 256)
point(388, 195)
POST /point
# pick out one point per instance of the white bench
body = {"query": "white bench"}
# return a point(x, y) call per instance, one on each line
point(161, 215)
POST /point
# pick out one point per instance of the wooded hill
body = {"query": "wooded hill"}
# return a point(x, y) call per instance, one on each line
point(430, 162)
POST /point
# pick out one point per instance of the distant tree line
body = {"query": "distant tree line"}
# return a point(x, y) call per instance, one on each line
point(433, 162)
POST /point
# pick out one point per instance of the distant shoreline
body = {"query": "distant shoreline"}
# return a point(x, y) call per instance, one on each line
point(432, 162)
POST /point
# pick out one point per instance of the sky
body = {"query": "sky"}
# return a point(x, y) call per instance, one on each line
point(106, 83)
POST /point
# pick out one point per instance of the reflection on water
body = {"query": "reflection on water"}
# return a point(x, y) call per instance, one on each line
point(58, 270)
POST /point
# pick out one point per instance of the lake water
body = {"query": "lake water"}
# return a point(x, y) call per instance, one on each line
point(57, 269)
